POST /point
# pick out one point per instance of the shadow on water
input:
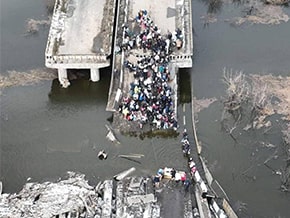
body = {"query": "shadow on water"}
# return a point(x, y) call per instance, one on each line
point(184, 82)
point(81, 88)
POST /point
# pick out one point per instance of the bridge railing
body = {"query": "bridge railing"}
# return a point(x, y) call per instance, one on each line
point(73, 59)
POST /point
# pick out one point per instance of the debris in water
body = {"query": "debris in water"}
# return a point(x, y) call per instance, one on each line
point(123, 174)
point(131, 155)
point(268, 145)
point(102, 155)
point(111, 136)
point(260, 122)
point(32, 26)
point(247, 127)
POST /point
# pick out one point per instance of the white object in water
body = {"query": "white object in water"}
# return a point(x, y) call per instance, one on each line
point(123, 174)
point(102, 155)
point(110, 135)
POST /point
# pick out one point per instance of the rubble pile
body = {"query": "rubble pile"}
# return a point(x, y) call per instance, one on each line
point(135, 198)
point(73, 197)
point(150, 100)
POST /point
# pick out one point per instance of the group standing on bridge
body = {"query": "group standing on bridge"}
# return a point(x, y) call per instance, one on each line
point(150, 97)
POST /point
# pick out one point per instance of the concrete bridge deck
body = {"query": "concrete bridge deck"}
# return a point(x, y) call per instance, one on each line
point(168, 15)
point(80, 36)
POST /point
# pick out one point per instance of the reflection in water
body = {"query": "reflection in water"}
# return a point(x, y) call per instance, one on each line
point(213, 6)
point(49, 4)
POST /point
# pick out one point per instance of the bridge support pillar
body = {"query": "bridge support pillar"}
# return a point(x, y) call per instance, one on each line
point(62, 77)
point(95, 74)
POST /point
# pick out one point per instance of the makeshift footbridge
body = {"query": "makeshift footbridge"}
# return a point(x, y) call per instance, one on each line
point(211, 199)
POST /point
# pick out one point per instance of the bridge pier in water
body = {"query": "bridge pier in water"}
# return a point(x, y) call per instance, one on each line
point(95, 74)
point(62, 77)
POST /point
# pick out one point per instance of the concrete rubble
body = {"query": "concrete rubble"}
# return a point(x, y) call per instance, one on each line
point(135, 198)
point(74, 197)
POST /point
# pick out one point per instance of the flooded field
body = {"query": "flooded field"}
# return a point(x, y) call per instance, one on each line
point(47, 131)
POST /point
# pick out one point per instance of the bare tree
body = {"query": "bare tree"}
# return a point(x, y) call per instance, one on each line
point(238, 93)
point(249, 94)
point(244, 94)
point(260, 99)
point(238, 89)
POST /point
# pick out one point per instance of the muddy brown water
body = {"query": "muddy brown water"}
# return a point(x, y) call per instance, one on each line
point(47, 130)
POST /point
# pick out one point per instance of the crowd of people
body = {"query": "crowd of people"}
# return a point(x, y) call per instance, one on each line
point(185, 144)
point(150, 97)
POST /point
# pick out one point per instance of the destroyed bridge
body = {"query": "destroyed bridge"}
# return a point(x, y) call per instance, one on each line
point(145, 42)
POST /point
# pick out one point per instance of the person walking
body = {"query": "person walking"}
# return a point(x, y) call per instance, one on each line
point(186, 185)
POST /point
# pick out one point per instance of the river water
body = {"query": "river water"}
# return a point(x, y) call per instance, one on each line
point(47, 130)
